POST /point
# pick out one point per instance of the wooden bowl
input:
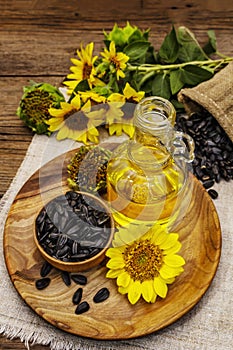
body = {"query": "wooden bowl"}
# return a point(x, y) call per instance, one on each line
point(88, 263)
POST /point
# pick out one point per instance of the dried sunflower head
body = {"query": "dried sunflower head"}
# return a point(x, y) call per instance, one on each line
point(87, 169)
point(35, 103)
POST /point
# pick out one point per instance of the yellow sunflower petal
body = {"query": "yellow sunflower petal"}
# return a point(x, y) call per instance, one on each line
point(134, 292)
point(86, 107)
point(170, 241)
point(153, 300)
point(55, 120)
point(114, 273)
point(66, 107)
point(159, 235)
point(116, 97)
point(63, 133)
point(55, 124)
point(114, 252)
point(174, 260)
point(120, 74)
point(160, 287)
point(169, 280)
point(115, 263)
point(82, 136)
point(174, 249)
point(54, 112)
point(123, 279)
point(131, 94)
point(123, 290)
point(92, 130)
point(169, 272)
point(115, 128)
point(76, 75)
point(128, 129)
point(76, 102)
point(148, 290)
point(71, 84)
point(75, 61)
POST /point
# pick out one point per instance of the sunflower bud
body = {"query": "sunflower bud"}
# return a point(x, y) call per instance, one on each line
point(35, 103)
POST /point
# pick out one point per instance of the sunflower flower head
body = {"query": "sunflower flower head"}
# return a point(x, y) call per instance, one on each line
point(144, 261)
point(35, 103)
point(83, 68)
point(76, 121)
point(116, 60)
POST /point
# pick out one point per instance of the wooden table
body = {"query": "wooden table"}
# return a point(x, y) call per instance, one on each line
point(38, 38)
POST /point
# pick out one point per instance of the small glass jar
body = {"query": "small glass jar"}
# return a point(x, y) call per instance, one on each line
point(147, 177)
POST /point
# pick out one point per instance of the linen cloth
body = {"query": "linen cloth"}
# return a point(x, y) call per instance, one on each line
point(208, 326)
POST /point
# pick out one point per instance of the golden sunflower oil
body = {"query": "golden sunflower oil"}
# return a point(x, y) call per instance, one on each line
point(145, 182)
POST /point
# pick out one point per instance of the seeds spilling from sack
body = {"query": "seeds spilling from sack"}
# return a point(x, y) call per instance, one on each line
point(213, 149)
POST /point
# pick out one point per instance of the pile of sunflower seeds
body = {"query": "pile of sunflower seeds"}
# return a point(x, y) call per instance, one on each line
point(213, 149)
point(73, 227)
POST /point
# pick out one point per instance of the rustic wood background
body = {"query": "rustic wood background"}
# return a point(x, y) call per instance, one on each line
point(38, 38)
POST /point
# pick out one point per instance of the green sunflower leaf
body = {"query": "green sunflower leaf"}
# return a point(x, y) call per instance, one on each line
point(136, 49)
point(161, 86)
point(193, 75)
point(190, 49)
point(169, 49)
point(176, 82)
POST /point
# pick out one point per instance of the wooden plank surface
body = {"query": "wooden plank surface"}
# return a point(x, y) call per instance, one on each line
point(38, 38)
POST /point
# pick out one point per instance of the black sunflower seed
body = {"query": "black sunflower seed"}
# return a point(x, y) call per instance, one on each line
point(213, 194)
point(77, 296)
point(79, 279)
point(42, 283)
point(82, 307)
point(66, 278)
point(45, 269)
point(101, 295)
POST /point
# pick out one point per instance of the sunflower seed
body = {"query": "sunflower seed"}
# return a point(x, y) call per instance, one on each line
point(77, 296)
point(101, 295)
point(66, 278)
point(45, 269)
point(79, 279)
point(42, 283)
point(213, 194)
point(81, 308)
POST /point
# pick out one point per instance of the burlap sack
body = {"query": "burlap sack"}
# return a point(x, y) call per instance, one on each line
point(214, 95)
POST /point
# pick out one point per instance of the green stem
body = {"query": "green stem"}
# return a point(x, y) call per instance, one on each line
point(147, 76)
point(159, 67)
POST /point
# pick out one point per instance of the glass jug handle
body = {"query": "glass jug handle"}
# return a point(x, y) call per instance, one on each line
point(183, 147)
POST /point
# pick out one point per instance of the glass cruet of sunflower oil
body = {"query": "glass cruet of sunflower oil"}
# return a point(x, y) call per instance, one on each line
point(148, 176)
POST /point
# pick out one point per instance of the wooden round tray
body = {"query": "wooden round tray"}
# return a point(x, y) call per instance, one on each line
point(115, 318)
